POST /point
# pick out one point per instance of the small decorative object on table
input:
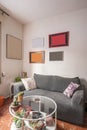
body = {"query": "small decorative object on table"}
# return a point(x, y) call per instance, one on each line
point(37, 124)
point(17, 100)
point(24, 74)
point(18, 123)
point(15, 104)
point(20, 96)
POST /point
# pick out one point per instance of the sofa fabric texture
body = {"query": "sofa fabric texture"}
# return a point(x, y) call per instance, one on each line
point(54, 83)
point(68, 109)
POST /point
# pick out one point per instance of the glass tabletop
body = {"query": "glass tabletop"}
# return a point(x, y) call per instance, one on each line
point(37, 112)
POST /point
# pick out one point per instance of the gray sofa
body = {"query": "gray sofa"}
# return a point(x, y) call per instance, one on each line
point(68, 109)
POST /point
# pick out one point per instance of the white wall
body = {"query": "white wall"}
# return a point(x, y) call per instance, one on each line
point(75, 55)
point(10, 67)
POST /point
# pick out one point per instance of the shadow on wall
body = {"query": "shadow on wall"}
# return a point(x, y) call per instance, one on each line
point(84, 82)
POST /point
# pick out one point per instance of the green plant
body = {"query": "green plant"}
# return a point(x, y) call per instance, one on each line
point(21, 93)
point(17, 79)
point(19, 122)
point(15, 102)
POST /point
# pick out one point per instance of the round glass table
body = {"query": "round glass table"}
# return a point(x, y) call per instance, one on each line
point(36, 113)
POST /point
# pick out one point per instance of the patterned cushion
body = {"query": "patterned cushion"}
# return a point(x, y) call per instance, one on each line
point(29, 83)
point(70, 89)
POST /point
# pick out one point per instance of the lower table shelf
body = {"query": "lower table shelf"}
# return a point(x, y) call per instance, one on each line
point(13, 127)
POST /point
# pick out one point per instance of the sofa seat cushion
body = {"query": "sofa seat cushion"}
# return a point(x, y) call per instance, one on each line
point(54, 83)
point(59, 98)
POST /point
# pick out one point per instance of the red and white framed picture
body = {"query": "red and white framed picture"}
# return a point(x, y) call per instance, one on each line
point(59, 39)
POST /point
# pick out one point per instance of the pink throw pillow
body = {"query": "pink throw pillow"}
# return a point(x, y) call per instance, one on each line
point(70, 89)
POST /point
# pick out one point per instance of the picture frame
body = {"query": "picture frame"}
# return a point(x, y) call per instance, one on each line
point(37, 57)
point(59, 39)
point(13, 47)
point(56, 56)
point(38, 42)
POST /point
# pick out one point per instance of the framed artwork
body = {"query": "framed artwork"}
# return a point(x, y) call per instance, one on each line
point(59, 39)
point(13, 47)
point(38, 42)
point(37, 57)
point(56, 56)
point(24, 74)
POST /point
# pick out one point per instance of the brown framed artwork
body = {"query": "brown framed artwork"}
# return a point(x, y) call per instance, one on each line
point(59, 39)
point(13, 47)
point(37, 57)
point(56, 56)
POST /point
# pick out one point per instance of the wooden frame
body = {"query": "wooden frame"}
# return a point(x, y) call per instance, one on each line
point(37, 57)
point(56, 56)
point(13, 47)
point(59, 39)
point(38, 42)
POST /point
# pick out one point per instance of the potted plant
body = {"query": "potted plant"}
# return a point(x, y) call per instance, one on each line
point(18, 123)
point(20, 96)
point(17, 79)
point(15, 103)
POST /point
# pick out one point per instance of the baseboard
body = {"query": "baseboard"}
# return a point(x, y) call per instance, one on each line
point(7, 97)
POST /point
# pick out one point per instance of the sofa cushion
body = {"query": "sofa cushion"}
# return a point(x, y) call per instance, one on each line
point(70, 89)
point(54, 83)
point(29, 83)
point(56, 96)
point(43, 81)
point(61, 83)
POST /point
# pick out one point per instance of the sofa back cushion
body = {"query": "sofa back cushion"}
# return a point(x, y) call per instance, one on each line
point(54, 83)
point(43, 81)
point(61, 83)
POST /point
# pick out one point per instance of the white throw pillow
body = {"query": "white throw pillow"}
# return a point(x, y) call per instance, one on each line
point(29, 83)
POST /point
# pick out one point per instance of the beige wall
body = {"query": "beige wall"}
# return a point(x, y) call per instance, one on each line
point(75, 55)
point(10, 67)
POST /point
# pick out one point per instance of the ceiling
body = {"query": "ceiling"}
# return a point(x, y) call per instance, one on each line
point(29, 10)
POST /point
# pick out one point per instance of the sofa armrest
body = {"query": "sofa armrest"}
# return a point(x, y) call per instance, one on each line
point(78, 97)
point(17, 87)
